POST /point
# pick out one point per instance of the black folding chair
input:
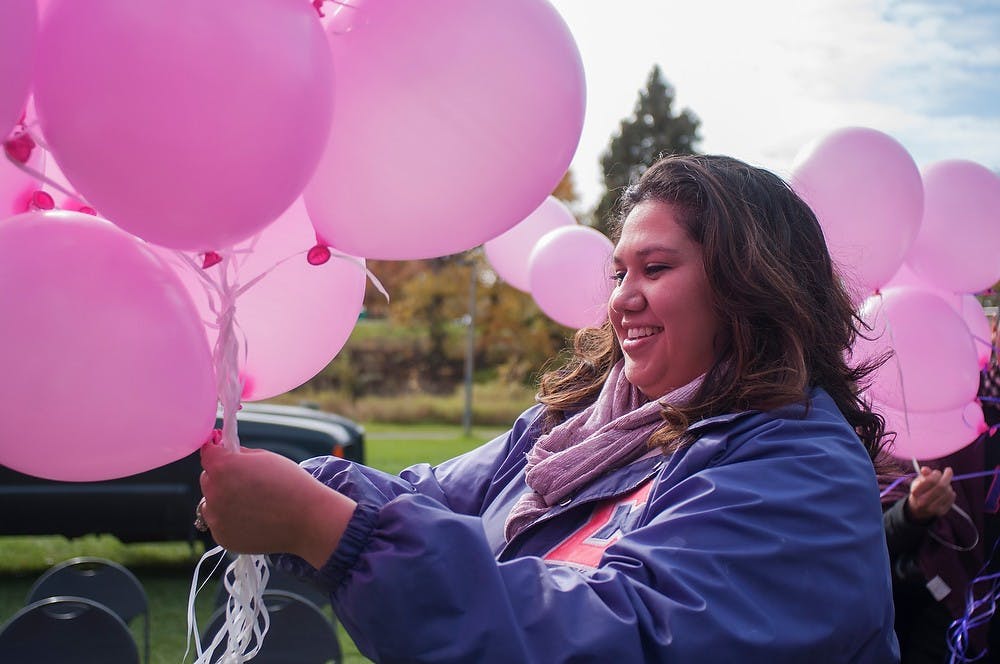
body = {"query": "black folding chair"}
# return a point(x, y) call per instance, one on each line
point(101, 580)
point(299, 632)
point(69, 630)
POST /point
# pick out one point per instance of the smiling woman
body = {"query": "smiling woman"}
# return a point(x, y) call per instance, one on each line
point(687, 482)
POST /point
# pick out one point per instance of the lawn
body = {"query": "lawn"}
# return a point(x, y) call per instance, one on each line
point(166, 569)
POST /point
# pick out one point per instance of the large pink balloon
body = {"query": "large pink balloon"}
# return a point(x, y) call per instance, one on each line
point(106, 370)
point(191, 124)
point(454, 120)
point(933, 435)
point(967, 306)
point(508, 253)
point(958, 246)
point(866, 192)
point(570, 275)
point(934, 366)
point(18, 34)
point(297, 317)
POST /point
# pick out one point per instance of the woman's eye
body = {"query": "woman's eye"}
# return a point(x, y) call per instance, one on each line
point(618, 277)
point(656, 268)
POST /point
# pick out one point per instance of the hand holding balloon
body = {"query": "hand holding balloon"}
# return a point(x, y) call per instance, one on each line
point(931, 494)
point(260, 502)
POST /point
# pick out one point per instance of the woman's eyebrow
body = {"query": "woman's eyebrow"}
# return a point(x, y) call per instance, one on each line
point(658, 249)
point(644, 252)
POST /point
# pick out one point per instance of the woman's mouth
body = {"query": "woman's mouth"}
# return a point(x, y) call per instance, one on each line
point(635, 337)
point(641, 332)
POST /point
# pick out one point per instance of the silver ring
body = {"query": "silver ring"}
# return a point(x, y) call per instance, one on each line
point(199, 520)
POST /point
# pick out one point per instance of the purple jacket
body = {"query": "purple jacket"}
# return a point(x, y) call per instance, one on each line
point(761, 542)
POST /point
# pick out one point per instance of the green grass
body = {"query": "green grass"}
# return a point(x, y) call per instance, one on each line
point(166, 569)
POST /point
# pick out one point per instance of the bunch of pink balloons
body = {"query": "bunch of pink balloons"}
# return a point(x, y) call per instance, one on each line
point(914, 246)
point(252, 134)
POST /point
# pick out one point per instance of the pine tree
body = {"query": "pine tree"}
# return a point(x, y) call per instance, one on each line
point(651, 131)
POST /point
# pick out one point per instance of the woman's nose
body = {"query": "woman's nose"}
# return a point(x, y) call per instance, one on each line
point(626, 298)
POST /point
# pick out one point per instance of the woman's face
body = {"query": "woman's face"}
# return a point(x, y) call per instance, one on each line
point(661, 308)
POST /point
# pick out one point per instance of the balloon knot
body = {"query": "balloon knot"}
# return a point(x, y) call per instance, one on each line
point(210, 258)
point(318, 255)
point(318, 5)
point(215, 437)
point(19, 147)
point(41, 200)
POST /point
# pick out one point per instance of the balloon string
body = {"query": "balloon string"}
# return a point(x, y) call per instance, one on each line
point(226, 355)
point(978, 612)
point(899, 374)
point(246, 577)
point(984, 342)
point(957, 478)
point(333, 254)
point(192, 623)
point(41, 177)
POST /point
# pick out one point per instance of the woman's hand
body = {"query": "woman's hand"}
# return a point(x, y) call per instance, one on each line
point(931, 494)
point(261, 502)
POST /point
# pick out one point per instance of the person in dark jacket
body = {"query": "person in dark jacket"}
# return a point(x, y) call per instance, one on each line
point(941, 537)
point(696, 483)
point(921, 619)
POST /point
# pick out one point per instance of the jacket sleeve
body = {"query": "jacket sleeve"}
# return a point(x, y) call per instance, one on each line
point(773, 552)
point(905, 539)
point(459, 484)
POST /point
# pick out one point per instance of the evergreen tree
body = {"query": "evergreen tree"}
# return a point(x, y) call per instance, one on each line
point(651, 131)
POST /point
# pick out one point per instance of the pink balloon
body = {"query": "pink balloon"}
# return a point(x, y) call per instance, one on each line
point(934, 367)
point(454, 120)
point(191, 124)
point(933, 435)
point(866, 192)
point(106, 371)
point(957, 246)
point(297, 317)
point(967, 306)
point(508, 253)
point(18, 34)
point(570, 275)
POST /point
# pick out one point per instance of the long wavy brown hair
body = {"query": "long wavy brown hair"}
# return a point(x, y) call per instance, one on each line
point(787, 319)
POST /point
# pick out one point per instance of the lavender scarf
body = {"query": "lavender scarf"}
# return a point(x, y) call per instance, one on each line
point(610, 433)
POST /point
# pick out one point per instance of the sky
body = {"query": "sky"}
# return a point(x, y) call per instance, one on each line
point(767, 77)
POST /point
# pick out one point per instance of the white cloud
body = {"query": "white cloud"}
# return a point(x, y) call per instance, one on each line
point(766, 77)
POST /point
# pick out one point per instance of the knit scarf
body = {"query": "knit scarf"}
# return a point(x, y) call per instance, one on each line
point(610, 433)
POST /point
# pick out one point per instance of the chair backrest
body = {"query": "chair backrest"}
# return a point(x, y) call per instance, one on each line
point(299, 632)
point(101, 580)
point(70, 630)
